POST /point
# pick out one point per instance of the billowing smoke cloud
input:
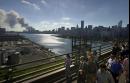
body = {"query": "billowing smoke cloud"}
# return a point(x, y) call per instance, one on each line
point(11, 18)
point(22, 22)
point(12, 21)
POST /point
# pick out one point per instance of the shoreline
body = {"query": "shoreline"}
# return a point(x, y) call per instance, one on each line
point(41, 46)
point(29, 50)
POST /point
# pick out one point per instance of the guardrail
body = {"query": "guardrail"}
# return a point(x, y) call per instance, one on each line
point(33, 69)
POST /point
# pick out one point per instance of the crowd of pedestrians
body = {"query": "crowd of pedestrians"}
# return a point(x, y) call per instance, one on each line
point(114, 70)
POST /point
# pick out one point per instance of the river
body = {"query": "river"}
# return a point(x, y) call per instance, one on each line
point(51, 41)
point(56, 44)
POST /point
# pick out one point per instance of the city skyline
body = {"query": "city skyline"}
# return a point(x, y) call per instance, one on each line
point(51, 14)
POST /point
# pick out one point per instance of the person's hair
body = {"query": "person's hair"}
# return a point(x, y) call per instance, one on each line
point(123, 45)
point(117, 58)
point(102, 65)
point(126, 56)
point(68, 56)
point(90, 57)
point(82, 58)
point(115, 44)
point(89, 49)
point(112, 55)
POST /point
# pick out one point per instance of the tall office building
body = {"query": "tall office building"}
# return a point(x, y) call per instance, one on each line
point(127, 25)
point(77, 26)
point(82, 24)
point(120, 23)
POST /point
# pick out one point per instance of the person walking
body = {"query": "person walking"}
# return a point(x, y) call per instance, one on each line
point(116, 69)
point(110, 61)
point(116, 49)
point(68, 63)
point(82, 70)
point(91, 70)
point(124, 78)
point(103, 75)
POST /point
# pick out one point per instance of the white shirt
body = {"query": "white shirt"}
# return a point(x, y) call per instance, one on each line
point(109, 62)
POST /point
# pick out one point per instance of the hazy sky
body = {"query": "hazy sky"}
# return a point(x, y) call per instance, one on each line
point(50, 14)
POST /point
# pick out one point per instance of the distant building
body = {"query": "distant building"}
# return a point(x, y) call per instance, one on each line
point(72, 28)
point(101, 28)
point(62, 28)
point(114, 27)
point(120, 23)
point(2, 30)
point(82, 24)
point(30, 29)
point(86, 27)
point(53, 30)
point(90, 27)
point(127, 25)
point(77, 26)
point(59, 29)
point(67, 29)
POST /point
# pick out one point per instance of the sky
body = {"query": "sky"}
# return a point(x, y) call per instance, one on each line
point(52, 14)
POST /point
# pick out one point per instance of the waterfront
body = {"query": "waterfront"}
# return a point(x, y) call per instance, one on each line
point(54, 43)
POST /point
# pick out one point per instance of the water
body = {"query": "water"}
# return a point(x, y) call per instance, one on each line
point(51, 41)
point(55, 44)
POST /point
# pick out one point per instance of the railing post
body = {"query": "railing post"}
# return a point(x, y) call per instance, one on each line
point(8, 75)
point(72, 45)
point(100, 50)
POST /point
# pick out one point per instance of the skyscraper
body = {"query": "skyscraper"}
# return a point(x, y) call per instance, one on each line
point(120, 23)
point(82, 24)
point(77, 26)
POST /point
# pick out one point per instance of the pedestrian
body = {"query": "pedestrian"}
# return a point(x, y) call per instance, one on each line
point(91, 70)
point(95, 56)
point(68, 63)
point(116, 69)
point(82, 70)
point(103, 75)
point(116, 49)
point(89, 53)
point(123, 51)
point(125, 73)
point(110, 61)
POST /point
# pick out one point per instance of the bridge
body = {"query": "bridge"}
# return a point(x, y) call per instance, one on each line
point(51, 69)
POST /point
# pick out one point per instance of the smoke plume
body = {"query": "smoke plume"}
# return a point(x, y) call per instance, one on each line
point(12, 21)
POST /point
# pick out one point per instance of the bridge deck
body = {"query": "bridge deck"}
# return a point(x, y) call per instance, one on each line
point(43, 76)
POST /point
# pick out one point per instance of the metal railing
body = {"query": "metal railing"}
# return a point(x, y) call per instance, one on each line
point(30, 70)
